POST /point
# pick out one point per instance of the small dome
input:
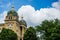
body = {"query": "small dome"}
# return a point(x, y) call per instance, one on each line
point(23, 22)
point(14, 13)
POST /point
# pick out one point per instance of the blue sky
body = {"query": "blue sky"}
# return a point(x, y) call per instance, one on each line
point(34, 11)
point(37, 4)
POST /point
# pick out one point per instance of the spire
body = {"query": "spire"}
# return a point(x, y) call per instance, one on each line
point(12, 7)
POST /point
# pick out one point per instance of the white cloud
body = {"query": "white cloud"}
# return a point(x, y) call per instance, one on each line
point(56, 4)
point(27, 12)
point(2, 16)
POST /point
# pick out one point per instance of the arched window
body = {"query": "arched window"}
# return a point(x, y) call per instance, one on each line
point(21, 31)
point(10, 18)
point(21, 39)
point(21, 28)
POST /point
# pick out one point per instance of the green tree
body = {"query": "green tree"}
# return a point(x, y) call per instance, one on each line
point(30, 34)
point(8, 34)
point(50, 29)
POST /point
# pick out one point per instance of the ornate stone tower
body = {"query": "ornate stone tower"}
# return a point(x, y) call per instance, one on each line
point(11, 19)
point(12, 22)
point(23, 27)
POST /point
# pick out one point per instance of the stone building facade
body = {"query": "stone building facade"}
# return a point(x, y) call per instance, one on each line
point(12, 22)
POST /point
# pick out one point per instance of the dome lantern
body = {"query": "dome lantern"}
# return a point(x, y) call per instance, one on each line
point(12, 7)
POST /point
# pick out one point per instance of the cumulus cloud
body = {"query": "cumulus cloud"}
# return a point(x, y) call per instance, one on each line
point(2, 16)
point(56, 5)
point(27, 12)
point(34, 17)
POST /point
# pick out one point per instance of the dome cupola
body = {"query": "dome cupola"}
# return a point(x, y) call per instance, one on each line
point(12, 11)
point(23, 22)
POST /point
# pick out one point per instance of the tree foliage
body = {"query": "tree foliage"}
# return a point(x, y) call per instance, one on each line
point(50, 29)
point(30, 34)
point(8, 34)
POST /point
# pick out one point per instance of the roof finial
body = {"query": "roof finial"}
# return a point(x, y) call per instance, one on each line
point(22, 17)
point(12, 7)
